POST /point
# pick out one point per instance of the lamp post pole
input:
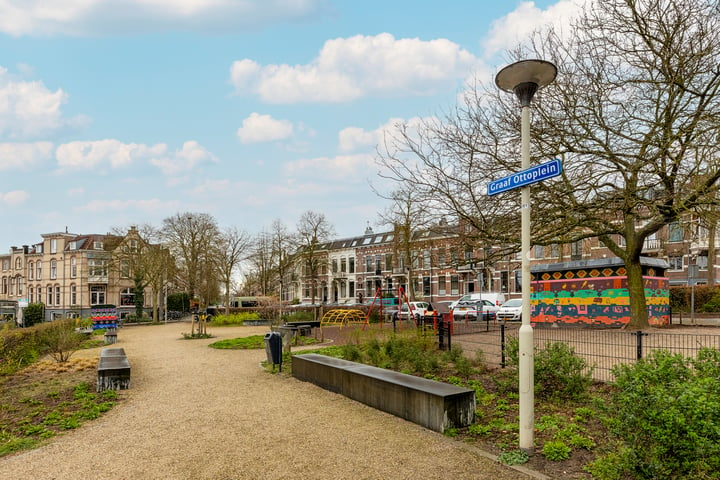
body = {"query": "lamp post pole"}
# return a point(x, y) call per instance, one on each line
point(524, 78)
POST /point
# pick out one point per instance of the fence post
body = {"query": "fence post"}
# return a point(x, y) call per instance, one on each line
point(639, 343)
point(502, 345)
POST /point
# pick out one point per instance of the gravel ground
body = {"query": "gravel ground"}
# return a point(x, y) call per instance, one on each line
point(194, 412)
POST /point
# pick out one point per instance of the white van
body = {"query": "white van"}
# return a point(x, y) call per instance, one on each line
point(493, 297)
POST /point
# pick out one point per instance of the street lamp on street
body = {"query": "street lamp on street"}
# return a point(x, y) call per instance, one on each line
point(524, 78)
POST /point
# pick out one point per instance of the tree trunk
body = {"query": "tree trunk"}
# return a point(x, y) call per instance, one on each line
point(636, 289)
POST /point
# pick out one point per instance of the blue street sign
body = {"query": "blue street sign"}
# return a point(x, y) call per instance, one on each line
point(535, 174)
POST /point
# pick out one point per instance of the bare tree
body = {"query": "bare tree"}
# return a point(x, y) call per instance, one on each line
point(633, 115)
point(282, 242)
point(313, 230)
point(191, 238)
point(231, 249)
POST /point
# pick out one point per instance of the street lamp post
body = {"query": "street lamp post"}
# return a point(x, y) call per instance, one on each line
point(524, 78)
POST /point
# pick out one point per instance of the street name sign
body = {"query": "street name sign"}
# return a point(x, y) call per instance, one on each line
point(531, 175)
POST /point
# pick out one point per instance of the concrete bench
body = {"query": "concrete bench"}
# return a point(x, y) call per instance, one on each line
point(113, 370)
point(434, 405)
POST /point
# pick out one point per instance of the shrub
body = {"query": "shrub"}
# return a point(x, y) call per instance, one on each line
point(33, 314)
point(234, 318)
point(60, 339)
point(556, 451)
point(18, 347)
point(559, 373)
point(668, 415)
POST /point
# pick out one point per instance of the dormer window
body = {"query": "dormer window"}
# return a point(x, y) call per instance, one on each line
point(97, 245)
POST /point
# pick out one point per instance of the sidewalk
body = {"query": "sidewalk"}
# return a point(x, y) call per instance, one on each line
point(194, 412)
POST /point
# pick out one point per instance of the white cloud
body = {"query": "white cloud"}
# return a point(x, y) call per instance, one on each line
point(263, 128)
point(28, 109)
point(150, 205)
point(355, 138)
point(350, 68)
point(341, 167)
point(88, 17)
point(21, 156)
point(92, 154)
point(518, 25)
point(16, 197)
point(184, 160)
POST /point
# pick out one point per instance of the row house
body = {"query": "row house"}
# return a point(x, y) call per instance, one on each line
point(440, 267)
point(69, 274)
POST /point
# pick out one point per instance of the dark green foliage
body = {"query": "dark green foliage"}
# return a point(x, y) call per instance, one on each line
point(668, 415)
point(559, 373)
point(19, 347)
point(178, 302)
point(556, 451)
point(34, 313)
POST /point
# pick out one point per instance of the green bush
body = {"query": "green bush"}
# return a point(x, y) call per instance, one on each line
point(556, 451)
point(19, 347)
point(60, 339)
point(667, 409)
point(33, 314)
point(558, 372)
point(234, 318)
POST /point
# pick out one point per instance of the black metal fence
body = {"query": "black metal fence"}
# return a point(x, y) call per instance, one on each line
point(601, 348)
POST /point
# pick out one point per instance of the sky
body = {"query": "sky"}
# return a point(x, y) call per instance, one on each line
point(125, 112)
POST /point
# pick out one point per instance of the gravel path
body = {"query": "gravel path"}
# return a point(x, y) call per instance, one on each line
point(194, 412)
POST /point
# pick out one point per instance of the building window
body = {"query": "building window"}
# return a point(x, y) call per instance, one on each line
point(12, 285)
point(57, 294)
point(343, 265)
point(73, 294)
point(675, 232)
point(454, 285)
point(426, 259)
point(53, 269)
point(127, 297)
point(368, 264)
point(31, 268)
point(20, 285)
point(351, 265)
point(351, 289)
point(18, 263)
point(53, 245)
point(554, 250)
point(702, 261)
point(49, 292)
point(441, 257)
point(4, 285)
point(576, 250)
point(378, 264)
point(39, 294)
point(539, 251)
point(388, 262)
point(31, 297)
point(38, 270)
point(124, 269)
point(504, 281)
point(676, 262)
point(427, 287)
point(97, 295)
point(6, 264)
point(97, 267)
point(334, 265)
point(97, 245)
point(518, 280)
point(441, 285)
point(73, 267)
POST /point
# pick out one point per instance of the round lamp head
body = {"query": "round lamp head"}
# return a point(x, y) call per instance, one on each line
point(525, 77)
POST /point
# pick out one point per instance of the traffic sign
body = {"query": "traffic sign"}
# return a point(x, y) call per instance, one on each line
point(535, 174)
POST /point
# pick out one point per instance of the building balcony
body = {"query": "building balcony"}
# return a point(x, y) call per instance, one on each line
point(97, 279)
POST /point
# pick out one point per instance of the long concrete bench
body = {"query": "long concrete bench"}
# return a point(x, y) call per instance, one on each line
point(434, 405)
point(113, 370)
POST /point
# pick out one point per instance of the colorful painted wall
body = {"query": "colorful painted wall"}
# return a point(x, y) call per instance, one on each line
point(595, 294)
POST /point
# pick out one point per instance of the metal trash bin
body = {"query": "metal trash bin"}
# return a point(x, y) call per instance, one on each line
point(273, 349)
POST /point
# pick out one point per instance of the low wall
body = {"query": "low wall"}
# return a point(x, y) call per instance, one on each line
point(434, 405)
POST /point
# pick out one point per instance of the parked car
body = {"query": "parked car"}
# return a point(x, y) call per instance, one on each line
point(510, 311)
point(415, 310)
point(474, 309)
point(495, 298)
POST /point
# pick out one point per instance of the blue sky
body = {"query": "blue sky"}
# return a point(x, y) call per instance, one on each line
point(124, 112)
